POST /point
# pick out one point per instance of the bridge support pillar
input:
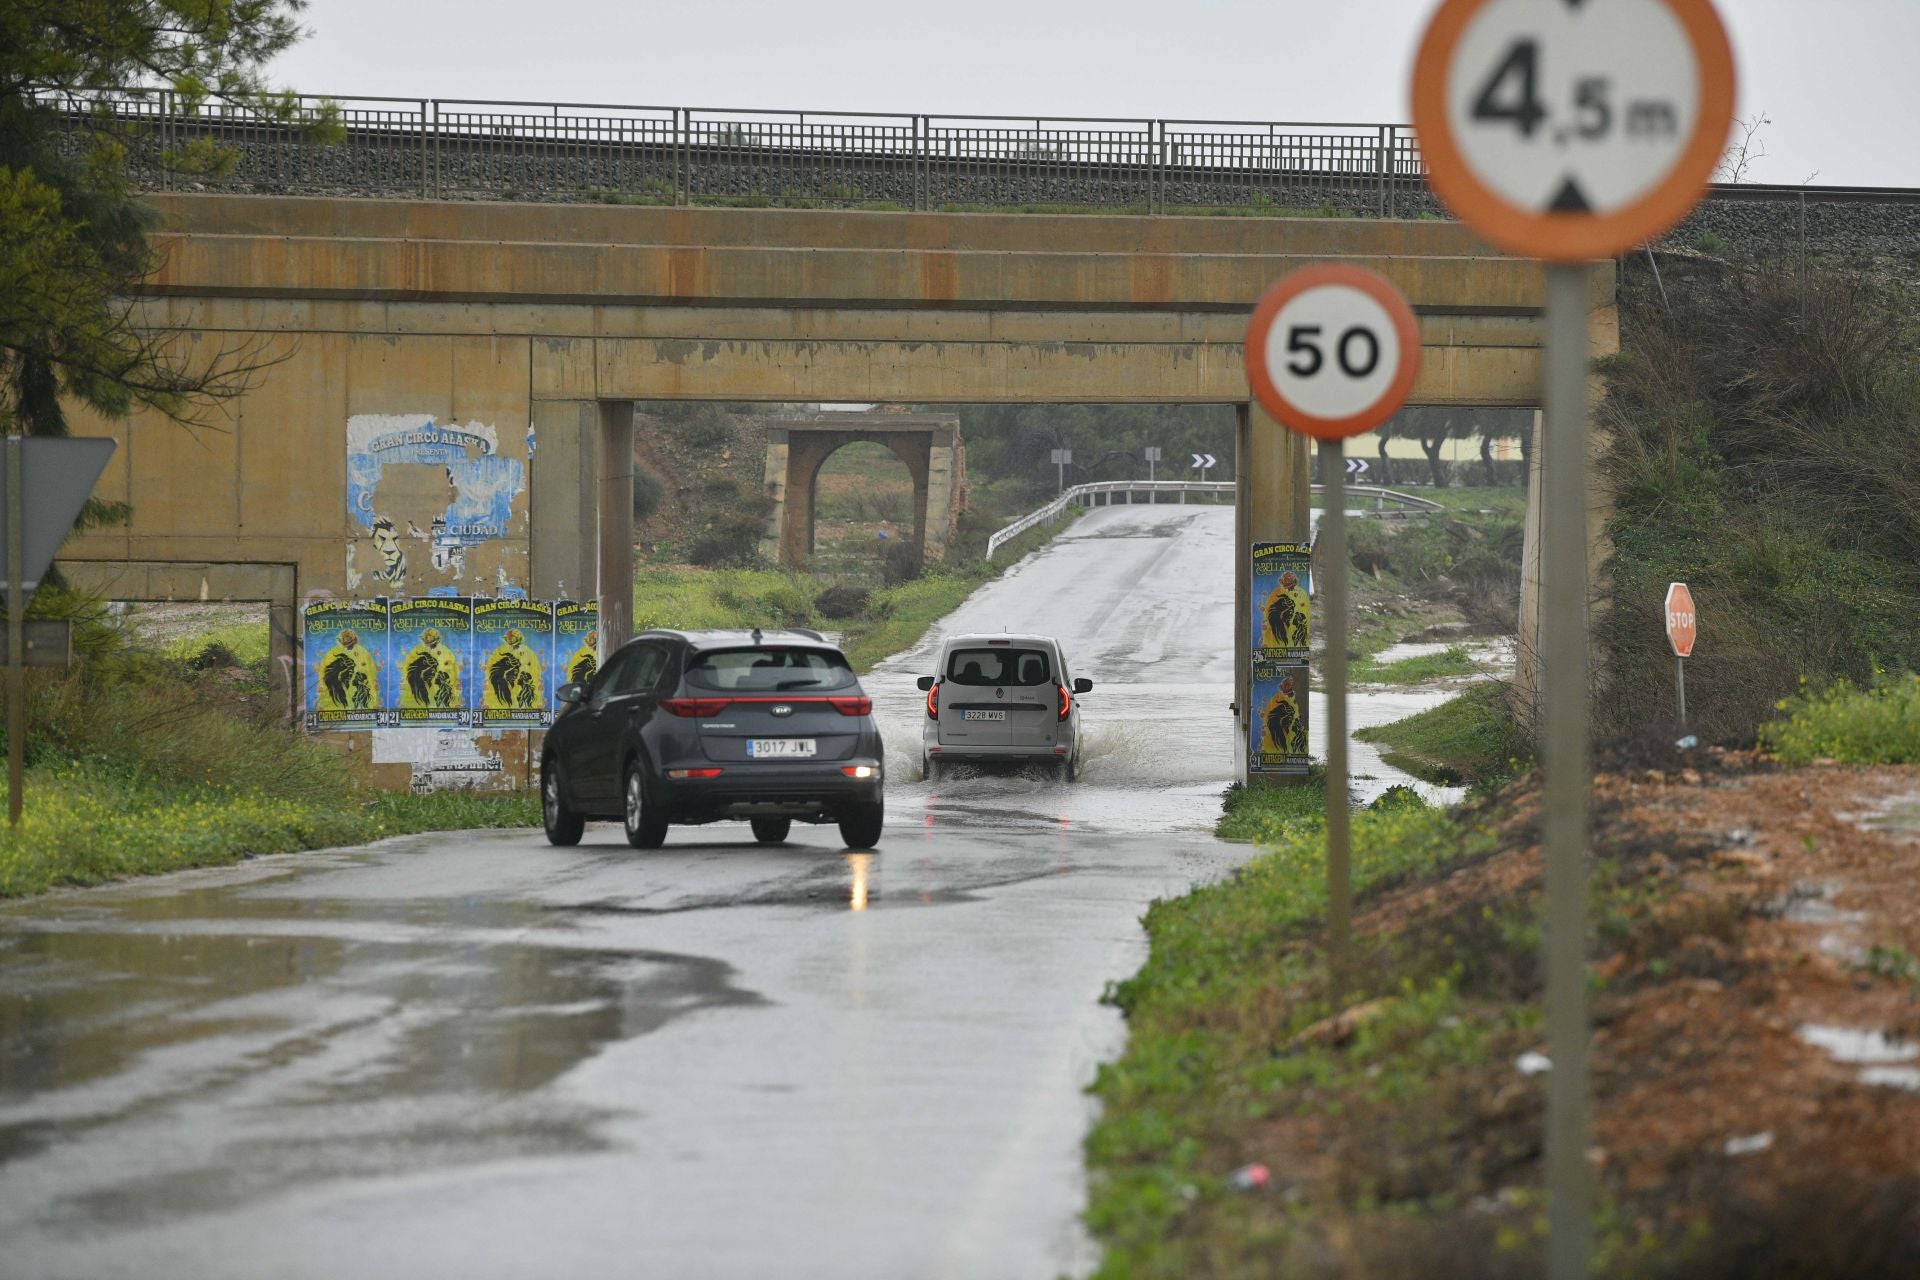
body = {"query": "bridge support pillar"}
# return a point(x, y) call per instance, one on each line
point(615, 587)
point(566, 505)
point(1273, 500)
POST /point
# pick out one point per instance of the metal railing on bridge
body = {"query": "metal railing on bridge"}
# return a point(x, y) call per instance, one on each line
point(445, 148)
point(1388, 502)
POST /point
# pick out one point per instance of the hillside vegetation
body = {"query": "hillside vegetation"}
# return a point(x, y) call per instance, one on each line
point(1763, 435)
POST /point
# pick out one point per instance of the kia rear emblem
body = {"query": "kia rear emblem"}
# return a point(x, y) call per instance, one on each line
point(783, 710)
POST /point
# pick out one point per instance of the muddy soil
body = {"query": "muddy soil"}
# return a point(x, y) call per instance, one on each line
point(1756, 1053)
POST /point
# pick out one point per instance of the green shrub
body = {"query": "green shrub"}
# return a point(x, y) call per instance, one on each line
point(1877, 725)
point(647, 493)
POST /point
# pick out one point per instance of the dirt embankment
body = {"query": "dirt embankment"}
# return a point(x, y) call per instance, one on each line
point(1756, 1052)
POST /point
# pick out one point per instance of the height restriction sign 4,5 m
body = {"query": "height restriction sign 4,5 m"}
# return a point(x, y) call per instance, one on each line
point(1569, 130)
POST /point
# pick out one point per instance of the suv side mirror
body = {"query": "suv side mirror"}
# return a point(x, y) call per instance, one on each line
point(1083, 685)
point(923, 683)
point(575, 692)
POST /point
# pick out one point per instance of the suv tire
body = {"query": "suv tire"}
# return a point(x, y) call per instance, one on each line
point(646, 826)
point(772, 830)
point(564, 825)
point(860, 828)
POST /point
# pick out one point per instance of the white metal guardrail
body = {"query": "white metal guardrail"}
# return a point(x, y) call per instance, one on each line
point(1385, 501)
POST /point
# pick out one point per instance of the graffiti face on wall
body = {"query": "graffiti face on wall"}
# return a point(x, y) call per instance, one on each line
point(410, 478)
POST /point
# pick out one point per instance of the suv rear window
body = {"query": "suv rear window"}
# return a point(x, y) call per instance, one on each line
point(999, 666)
point(769, 670)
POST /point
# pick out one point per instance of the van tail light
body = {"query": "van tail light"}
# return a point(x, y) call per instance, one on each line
point(694, 708)
point(853, 706)
point(1066, 701)
point(933, 703)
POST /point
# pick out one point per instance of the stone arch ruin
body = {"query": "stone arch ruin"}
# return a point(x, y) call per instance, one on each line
point(929, 445)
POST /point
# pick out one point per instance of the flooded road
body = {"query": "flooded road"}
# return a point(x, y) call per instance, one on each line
point(476, 1055)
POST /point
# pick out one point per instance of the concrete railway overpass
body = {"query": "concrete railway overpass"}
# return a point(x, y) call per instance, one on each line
point(537, 327)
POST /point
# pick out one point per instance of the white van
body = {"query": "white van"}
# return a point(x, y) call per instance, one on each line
point(1002, 697)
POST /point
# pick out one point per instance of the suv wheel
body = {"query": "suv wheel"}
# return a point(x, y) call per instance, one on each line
point(771, 830)
point(563, 825)
point(861, 827)
point(646, 827)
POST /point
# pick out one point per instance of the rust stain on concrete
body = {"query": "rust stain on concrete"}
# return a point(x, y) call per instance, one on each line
point(686, 272)
point(939, 276)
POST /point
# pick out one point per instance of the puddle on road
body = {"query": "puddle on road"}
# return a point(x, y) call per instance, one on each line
point(422, 1054)
point(481, 1017)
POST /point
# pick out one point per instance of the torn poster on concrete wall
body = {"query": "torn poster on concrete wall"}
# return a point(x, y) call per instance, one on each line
point(442, 759)
point(434, 505)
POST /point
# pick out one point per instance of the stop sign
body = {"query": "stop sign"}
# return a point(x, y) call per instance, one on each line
point(1682, 626)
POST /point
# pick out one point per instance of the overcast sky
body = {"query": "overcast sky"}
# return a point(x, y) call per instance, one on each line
point(1835, 77)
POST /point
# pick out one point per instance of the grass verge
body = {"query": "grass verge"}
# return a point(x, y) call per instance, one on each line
point(1453, 661)
point(1470, 740)
point(87, 825)
point(1227, 1041)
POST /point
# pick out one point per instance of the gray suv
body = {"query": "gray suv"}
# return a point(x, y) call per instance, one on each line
point(1002, 697)
point(702, 726)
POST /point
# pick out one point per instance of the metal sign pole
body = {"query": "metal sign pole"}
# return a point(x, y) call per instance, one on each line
point(1565, 758)
point(1680, 687)
point(16, 630)
point(1333, 598)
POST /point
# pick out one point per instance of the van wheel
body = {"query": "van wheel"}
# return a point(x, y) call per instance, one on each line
point(1069, 769)
point(930, 768)
point(861, 828)
point(771, 830)
point(564, 826)
point(646, 825)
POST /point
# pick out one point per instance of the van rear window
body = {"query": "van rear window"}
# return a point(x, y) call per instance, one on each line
point(999, 666)
point(769, 670)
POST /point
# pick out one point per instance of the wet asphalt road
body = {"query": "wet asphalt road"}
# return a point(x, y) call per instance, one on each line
point(477, 1055)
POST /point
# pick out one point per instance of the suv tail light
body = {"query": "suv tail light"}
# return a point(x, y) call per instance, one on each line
point(933, 702)
point(853, 706)
point(1066, 701)
point(694, 708)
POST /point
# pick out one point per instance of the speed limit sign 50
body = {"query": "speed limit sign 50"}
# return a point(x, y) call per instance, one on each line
point(1332, 351)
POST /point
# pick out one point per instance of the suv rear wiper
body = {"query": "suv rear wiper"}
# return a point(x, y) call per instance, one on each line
point(795, 684)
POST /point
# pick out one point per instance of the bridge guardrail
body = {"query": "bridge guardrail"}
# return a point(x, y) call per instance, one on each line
point(444, 148)
point(1401, 503)
point(437, 147)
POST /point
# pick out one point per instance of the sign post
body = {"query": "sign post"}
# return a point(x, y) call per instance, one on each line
point(1333, 351)
point(1570, 131)
point(1153, 457)
point(1061, 457)
point(1683, 627)
point(40, 509)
